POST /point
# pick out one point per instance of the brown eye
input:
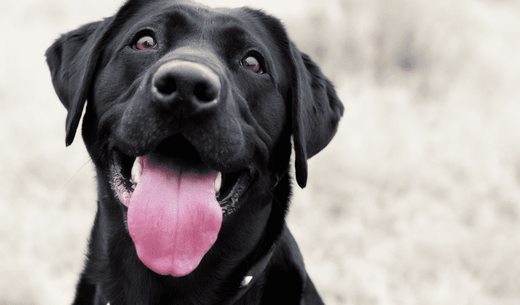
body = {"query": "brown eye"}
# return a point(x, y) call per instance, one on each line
point(145, 43)
point(253, 64)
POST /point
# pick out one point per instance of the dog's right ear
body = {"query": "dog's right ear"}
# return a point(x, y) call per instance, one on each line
point(72, 60)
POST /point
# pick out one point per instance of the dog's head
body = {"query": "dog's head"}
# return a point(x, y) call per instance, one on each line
point(180, 95)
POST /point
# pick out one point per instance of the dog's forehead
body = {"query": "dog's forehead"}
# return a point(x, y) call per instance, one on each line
point(191, 17)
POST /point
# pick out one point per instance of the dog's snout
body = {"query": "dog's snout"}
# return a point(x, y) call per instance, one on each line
point(186, 83)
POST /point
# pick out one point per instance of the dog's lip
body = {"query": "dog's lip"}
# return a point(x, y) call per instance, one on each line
point(125, 172)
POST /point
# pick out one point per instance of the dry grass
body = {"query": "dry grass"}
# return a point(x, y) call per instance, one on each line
point(416, 201)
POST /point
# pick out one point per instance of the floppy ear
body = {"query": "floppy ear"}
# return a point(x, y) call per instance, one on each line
point(72, 60)
point(316, 110)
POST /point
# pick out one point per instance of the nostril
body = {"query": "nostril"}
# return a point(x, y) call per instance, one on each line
point(166, 85)
point(205, 92)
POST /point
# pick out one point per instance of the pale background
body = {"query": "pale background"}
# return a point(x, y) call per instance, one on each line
point(416, 200)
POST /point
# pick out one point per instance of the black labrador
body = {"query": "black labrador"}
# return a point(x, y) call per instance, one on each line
point(191, 117)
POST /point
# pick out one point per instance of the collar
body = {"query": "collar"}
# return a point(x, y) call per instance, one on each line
point(252, 275)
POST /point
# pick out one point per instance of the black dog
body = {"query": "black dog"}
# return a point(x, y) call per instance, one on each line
point(189, 121)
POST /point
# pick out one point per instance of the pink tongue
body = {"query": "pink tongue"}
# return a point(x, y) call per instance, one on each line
point(173, 218)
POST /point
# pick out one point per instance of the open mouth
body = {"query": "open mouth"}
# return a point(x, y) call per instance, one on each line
point(126, 173)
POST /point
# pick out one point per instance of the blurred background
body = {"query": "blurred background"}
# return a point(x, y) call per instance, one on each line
point(415, 201)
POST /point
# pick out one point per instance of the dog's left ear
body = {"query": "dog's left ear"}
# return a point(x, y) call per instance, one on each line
point(72, 60)
point(316, 110)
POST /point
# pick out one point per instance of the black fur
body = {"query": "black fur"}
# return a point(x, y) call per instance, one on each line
point(250, 128)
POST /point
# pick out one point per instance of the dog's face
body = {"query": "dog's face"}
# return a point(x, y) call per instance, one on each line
point(191, 83)
point(189, 108)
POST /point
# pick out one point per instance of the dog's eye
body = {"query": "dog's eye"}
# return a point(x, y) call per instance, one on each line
point(145, 43)
point(252, 63)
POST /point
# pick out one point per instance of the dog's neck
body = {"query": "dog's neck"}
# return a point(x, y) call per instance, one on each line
point(253, 274)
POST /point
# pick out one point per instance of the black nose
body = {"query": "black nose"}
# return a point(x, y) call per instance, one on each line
point(185, 84)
